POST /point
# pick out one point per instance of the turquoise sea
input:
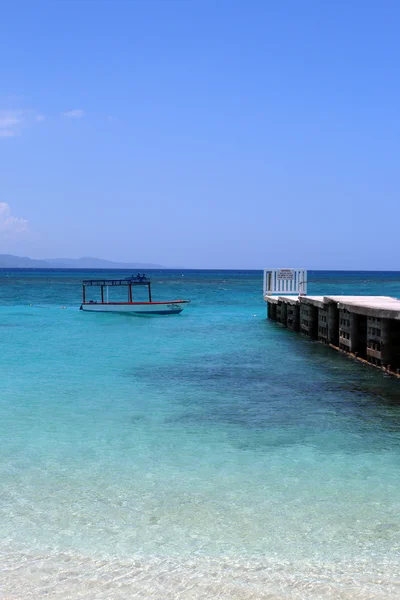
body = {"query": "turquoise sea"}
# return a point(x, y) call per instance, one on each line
point(208, 455)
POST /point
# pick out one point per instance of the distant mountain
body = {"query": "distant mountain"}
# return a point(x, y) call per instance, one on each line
point(18, 262)
point(21, 262)
point(96, 263)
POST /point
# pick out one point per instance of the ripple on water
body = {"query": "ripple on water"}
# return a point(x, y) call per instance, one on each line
point(60, 576)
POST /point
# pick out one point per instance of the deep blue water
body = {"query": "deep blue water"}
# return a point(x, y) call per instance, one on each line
point(213, 450)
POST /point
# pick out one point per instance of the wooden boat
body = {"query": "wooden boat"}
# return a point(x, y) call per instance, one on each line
point(170, 307)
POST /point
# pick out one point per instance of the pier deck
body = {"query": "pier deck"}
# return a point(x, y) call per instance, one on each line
point(379, 306)
point(365, 327)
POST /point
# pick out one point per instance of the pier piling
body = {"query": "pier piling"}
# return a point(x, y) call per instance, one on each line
point(364, 327)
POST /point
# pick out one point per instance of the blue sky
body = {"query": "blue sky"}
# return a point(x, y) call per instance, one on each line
point(201, 133)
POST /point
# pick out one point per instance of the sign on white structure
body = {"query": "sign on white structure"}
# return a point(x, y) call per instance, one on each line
point(285, 281)
point(286, 274)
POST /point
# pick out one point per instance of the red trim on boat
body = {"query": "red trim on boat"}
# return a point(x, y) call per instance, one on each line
point(136, 303)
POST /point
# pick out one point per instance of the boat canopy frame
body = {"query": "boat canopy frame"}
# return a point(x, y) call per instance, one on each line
point(129, 282)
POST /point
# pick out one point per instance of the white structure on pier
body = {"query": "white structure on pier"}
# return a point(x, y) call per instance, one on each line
point(285, 282)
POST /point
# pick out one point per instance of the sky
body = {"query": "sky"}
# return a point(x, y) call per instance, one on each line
point(201, 133)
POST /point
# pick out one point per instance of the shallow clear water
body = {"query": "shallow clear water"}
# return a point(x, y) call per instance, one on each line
point(210, 454)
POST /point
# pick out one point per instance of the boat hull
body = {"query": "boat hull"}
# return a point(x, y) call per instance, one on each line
point(137, 308)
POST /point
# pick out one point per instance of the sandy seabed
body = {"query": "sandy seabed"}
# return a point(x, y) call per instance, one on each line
point(64, 576)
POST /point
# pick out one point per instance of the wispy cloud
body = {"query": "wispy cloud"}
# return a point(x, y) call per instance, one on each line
point(10, 122)
point(8, 118)
point(76, 113)
point(7, 133)
point(11, 226)
point(13, 121)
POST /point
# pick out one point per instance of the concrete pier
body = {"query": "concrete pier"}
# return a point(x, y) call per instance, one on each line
point(364, 327)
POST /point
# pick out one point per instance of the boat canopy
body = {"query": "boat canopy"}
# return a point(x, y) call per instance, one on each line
point(134, 280)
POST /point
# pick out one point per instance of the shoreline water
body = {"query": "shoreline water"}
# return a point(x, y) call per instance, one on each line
point(81, 577)
point(210, 453)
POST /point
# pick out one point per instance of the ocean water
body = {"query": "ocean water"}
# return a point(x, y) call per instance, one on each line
point(208, 455)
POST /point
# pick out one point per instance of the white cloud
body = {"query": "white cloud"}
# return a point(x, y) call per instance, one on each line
point(77, 113)
point(13, 121)
point(10, 121)
point(10, 225)
point(7, 133)
point(8, 118)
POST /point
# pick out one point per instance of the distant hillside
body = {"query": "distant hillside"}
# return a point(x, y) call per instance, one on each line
point(9, 261)
point(96, 263)
point(21, 262)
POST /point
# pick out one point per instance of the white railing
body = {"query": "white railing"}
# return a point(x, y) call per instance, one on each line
point(285, 281)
